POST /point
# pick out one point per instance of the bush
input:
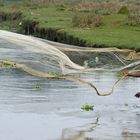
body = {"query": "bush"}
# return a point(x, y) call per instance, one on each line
point(1, 4)
point(61, 7)
point(44, 3)
point(98, 21)
point(123, 10)
point(134, 17)
point(133, 20)
point(10, 16)
point(104, 8)
point(87, 21)
point(36, 3)
point(76, 20)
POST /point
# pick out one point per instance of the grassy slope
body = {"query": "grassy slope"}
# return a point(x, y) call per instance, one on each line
point(114, 32)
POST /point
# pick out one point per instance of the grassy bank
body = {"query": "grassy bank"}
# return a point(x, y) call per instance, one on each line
point(106, 29)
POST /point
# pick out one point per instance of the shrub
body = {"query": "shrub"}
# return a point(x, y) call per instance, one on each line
point(133, 20)
point(36, 3)
point(43, 3)
point(123, 10)
point(134, 17)
point(76, 20)
point(1, 3)
point(10, 16)
point(104, 8)
point(86, 7)
point(61, 7)
point(87, 21)
point(98, 21)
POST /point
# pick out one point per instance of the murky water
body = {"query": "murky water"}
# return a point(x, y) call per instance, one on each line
point(38, 109)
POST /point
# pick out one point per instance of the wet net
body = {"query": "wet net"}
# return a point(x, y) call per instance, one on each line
point(47, 59)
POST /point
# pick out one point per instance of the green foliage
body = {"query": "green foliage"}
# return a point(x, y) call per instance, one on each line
point(54, 73)
point(87, 20)
point(76, 20)
point(134, 17)
point(1, 4)
point(134, 20)
point(114, 32)
point(123, 10)
point(4, 16)
point(91, 64)
point(37, 86)
point(87, 107)
point(7, 65)
point(7, 28)
point(61, 7)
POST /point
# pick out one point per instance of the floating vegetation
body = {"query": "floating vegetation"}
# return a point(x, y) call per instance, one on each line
point(37, 86)
point(5, 65)
point(54, 73)
point(87, 107)
point(126, 104)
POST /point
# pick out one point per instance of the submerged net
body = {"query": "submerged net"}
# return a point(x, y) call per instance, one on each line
point(46, 59)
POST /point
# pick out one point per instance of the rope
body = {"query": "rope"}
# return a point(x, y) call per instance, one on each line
point(95, 88)
point(67, 77)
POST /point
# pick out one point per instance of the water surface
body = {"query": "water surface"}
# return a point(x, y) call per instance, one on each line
point(50, 109)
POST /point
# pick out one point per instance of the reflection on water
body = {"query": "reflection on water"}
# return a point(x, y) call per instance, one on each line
point(79, 133)
point(133, 134)
point(72, 134)
point(130, 136)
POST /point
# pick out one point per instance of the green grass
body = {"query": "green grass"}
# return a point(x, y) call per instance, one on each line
point(110, 37)
point(114, 31)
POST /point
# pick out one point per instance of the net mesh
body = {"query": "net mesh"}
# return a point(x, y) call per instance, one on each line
point(47, 59)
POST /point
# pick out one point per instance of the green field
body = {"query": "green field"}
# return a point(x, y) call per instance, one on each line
point(113, 32)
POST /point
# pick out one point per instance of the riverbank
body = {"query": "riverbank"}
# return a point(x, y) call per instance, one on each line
point(56, 23)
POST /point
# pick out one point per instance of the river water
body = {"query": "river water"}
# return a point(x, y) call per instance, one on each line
point(32, 108)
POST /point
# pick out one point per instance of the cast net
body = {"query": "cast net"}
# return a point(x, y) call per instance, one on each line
point(46, 59)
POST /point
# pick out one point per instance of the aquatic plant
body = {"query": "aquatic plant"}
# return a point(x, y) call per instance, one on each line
point(37, 86)
point(87, 107)
point(5, 65)
point(126, 104)
point(54, 73)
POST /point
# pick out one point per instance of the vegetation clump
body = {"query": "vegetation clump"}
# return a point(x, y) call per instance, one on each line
point(95, 7)
point(123, 10)
point(134, 17)
point(6, 65)
point(5, 16)
point(87, 107)
point(87, 21)
point(37, 86)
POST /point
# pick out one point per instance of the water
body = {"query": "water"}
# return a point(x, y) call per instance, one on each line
point(50, 109)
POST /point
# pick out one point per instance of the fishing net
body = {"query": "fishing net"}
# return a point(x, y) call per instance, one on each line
point(47, 59)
